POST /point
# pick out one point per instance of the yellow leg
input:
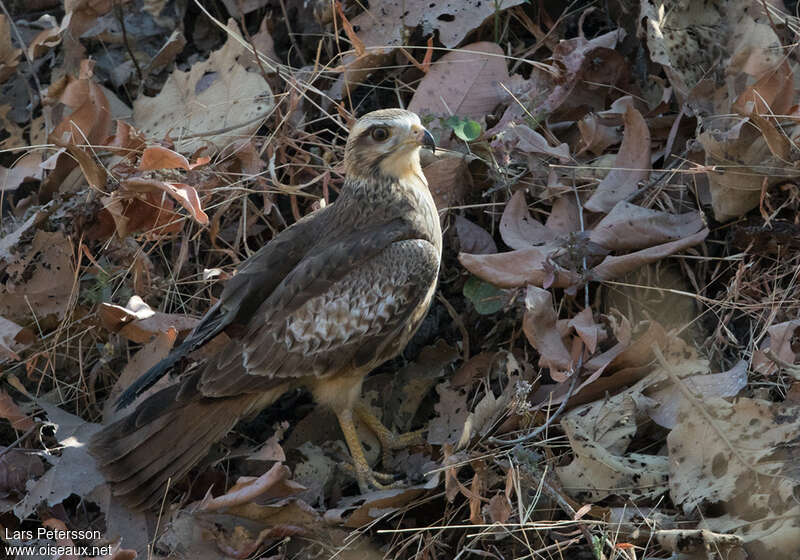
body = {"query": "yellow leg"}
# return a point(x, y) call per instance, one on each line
point(389, 440)
point(364, 474)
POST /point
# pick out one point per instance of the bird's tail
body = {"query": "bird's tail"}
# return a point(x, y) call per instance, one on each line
point(162, 439)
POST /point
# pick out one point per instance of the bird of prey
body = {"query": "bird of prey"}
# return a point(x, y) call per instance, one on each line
point(324, 302)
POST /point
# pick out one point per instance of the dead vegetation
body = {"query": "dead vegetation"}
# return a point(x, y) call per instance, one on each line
point(610, 366)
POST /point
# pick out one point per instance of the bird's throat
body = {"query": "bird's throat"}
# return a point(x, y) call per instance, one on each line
point(402, 166)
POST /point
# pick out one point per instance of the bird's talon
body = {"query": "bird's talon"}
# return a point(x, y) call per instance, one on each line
point(369, 479)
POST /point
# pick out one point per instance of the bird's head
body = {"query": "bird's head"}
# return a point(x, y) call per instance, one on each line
point(386, 143)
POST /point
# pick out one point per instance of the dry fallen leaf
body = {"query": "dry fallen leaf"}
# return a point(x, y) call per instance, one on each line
point(628, 227)
point(9, 55)
point(630, 168)
point(779, 350)
point(547, 256)
point(452, 412)
point(449, 180)
point(464, 82)
point(529, 141)
point(519, 268)
point(139, 323)
point(73, 472)
point(11, 412)
point(539, 325)
point(474, 239)
point(213, 96)
point(359, 511)
point(38, 278)
point(614, 267)
point(599, 434)
point(744, 454)
point(13, 339)
point(384, 22)
point(518, 229)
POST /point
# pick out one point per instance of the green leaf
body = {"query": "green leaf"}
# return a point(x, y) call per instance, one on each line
point(487, 298)
point(466, 129)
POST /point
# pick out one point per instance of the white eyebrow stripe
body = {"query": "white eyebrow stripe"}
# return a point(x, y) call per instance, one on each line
point(395, 121)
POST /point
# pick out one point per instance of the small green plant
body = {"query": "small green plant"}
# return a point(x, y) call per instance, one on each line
point(487, 298)
point(466, 129)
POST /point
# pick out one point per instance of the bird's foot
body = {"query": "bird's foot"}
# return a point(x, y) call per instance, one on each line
point(366, 477)
point(369, 479)
point(387, 438)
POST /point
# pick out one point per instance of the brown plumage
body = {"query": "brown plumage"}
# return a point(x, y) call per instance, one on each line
point(326, 301)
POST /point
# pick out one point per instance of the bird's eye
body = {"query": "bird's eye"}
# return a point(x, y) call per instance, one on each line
point(380, 133)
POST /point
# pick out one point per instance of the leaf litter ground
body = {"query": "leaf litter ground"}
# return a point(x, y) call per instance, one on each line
point(610, 366)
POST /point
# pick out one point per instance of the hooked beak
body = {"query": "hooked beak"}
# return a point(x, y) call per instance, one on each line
point(424, 138)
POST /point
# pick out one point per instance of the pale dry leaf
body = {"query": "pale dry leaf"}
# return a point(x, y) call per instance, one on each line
point(136, 321)
point(130, 527)
point(696, 40)
point(14, 133)
point(12, 412)
point(773, 537)
point(631, 166)
point(89, 116)
point(539, 325)
point(26, 168)
point(772, 94)
point(13, 339)
point(563, 219)
point(464, 82)
point(159, 157)
point(629, 227)
point(597, 137)
point(168, 52)
point(214, 95)
point(616, 266)
point(474, 239)
point(38, 279)
point(589, 331)
point(190, 535)
point(384, 23)
point(571, 57)
point(519, 268)
point(9, 55)
point(693, 542)
point(73, 472)
point(449, 180)
point(599, 435)
point(47, 39)
point(518, 229)
point(315, 472)
point(272, 449)
point(740, 165)
point(530, 141)
point(487, 412)
point(664, 400)
point(362, 510)
point(742, 451)
point(138, 205)
point(247, 489)
point(238, 8)
point(781, 344)
point(452, 412)
point(473, 369)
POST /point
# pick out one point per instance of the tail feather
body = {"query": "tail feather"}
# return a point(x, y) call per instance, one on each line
point(162, 439)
